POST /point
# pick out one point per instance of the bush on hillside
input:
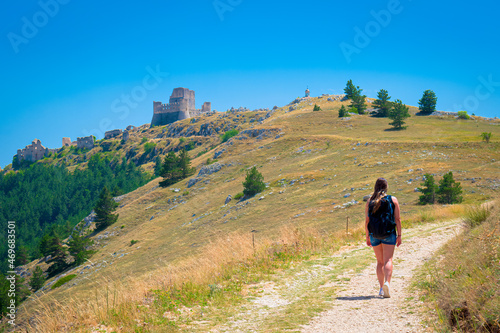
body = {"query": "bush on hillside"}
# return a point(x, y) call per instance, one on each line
point(63, 280)
point(316, 107)
point(486, 136)
point(254, 183)
point(148, 147)
point(228, 135)
point(343, 112)
point(463, 115)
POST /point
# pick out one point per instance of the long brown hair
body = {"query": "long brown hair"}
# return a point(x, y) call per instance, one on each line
point(379, 192)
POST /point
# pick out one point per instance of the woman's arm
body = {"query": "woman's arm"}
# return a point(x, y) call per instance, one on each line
point(397, 217)
point(367, 219)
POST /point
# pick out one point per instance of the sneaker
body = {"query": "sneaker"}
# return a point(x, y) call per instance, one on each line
point(381, 292)
point(385, 289)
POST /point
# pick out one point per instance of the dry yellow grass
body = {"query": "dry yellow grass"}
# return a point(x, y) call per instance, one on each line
point(182, 237)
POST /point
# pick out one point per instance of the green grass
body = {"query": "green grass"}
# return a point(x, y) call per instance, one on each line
point(475, 215)
point(63, 280)
point(462, 285)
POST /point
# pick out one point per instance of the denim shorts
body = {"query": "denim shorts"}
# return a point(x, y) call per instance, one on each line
point(389, 240)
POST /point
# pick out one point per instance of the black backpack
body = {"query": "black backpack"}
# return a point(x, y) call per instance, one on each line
point(381, 223)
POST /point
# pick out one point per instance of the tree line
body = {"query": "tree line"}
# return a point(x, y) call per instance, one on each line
point(44, 199)
point(396, 111)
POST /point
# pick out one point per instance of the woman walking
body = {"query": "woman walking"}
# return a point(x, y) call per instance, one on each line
point(383, 232)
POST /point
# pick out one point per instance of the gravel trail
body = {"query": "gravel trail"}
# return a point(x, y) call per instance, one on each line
point(357, 306)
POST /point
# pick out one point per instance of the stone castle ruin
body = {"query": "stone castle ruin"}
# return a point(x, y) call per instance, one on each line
point(34, 152)
point(85, 142)
point(180, 106)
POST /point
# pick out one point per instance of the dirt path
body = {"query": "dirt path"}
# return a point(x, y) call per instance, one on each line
point(340, 292)
point(357, 308)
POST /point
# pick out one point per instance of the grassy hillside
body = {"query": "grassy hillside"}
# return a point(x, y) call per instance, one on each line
point(461, 288)
point(318, 168)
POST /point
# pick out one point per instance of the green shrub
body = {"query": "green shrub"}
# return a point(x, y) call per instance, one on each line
point(182, 140)
point(133, 241)
point(63, 280)
point(190, 146)
point(486, 136)
point(228, 135)
point(352, 110)
point(254, 182)
point(343, 112)
point(463, 115)
point(316, 107)
point(475, 215)
point(185, 193)
point(148, 147)
point(238, 196)
point(144, 140)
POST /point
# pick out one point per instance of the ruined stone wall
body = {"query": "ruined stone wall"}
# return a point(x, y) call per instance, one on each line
point(33, 152)
point(112, 134)
point(66, 142)
point(85, 142)
point(206, 107)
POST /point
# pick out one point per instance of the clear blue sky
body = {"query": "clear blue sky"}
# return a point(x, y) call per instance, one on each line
point(67, 69)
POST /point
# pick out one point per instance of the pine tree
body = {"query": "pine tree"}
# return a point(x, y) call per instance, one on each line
point(350, 89)
point(38, 279)
point(58, 256)
point(358, 101)
point(382, 103)
point(427, 104)
point(22, 256)
point(104, 210)
point(398, 114)
point(78, 247)
point(316, 107)
point(185, 164)
point(342, 112)
point(254, 183)
point(449, 191)
point(158, 166)
point(428, 190)
point(170, 171)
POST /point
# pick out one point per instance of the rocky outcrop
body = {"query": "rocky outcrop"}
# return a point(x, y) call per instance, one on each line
point(210, 169)
point(261, 133)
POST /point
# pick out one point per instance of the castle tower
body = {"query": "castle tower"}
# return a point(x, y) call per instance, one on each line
point(307, 92)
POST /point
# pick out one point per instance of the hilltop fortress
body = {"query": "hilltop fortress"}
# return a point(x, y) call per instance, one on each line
point(180, 106)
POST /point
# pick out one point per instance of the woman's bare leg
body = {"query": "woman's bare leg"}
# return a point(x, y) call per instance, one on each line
point(388, 252)
point(379, 253)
